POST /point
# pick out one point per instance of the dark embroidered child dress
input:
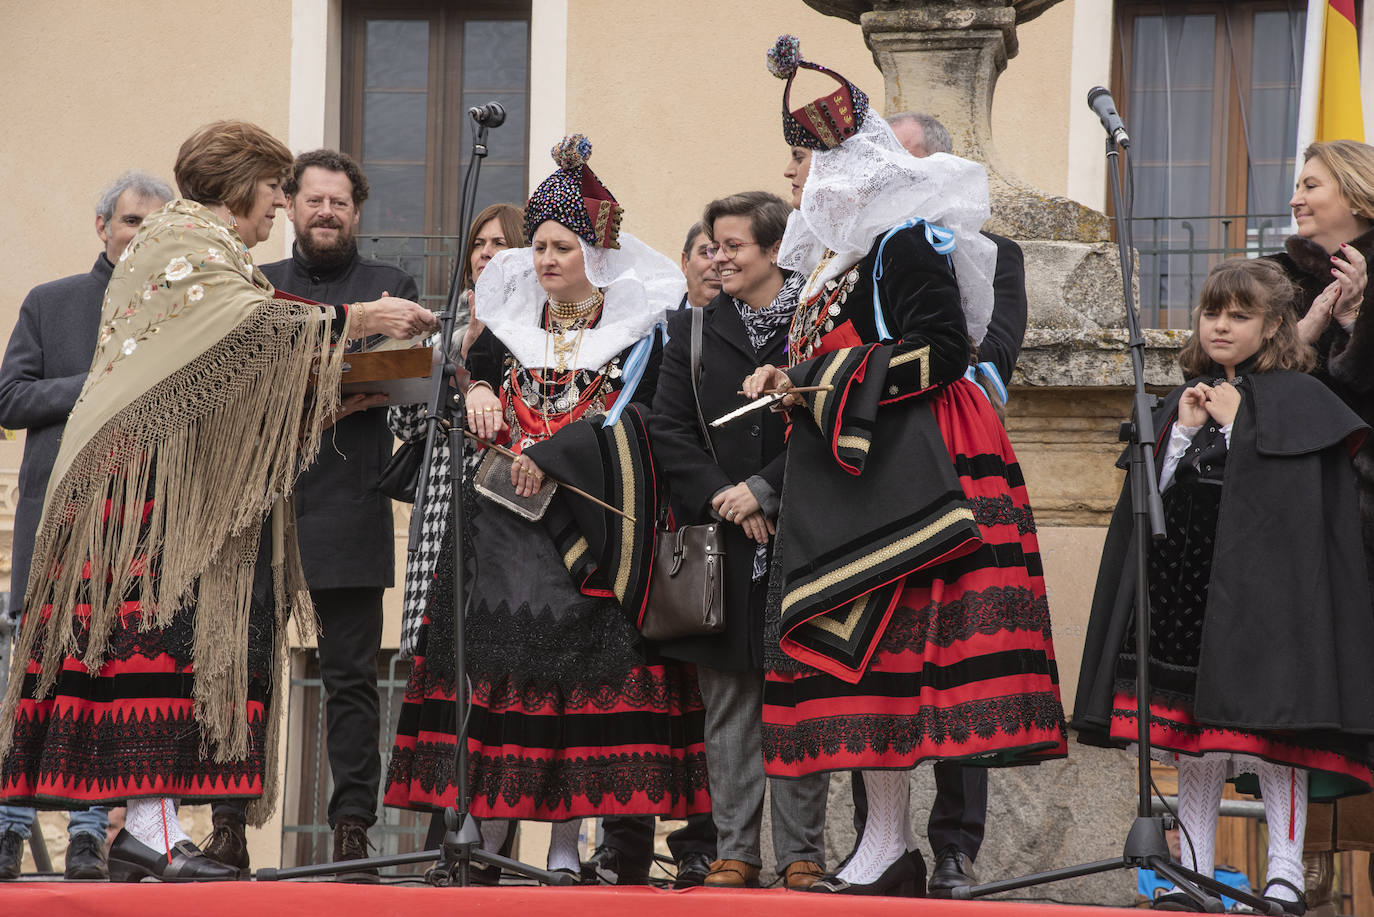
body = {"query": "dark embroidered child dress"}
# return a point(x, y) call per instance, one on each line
point(1180, 570)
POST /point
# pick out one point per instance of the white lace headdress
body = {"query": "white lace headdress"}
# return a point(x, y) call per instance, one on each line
point(640, 286)
point(867, 185)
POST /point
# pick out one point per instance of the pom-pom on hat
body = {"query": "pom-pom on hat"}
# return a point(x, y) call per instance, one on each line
point(575, 197)
point(824, 123)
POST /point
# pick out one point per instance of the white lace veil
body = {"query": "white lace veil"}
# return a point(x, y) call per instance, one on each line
point(869, 184)
point(640, 285)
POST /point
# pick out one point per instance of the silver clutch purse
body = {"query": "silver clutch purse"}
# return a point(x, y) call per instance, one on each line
point(493, 482)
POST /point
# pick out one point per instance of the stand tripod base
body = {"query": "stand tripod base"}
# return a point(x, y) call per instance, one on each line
point(462, 848)
point(1145, 847)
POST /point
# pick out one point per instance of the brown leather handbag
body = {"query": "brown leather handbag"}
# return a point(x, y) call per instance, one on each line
point(687, 591)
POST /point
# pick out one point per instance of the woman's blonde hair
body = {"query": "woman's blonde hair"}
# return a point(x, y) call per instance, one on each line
point(512, 227)
point(1351, 164)
point(222, 162)
point(1260, 286)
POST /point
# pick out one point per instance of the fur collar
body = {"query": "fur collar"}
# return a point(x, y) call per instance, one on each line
point(1311, 258)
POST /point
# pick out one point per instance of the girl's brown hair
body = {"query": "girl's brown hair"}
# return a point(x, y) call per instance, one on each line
point(512, 220)
point(1259, 286)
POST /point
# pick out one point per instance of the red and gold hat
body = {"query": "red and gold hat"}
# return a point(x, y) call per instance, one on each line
point(824, 123)
point(575, 197)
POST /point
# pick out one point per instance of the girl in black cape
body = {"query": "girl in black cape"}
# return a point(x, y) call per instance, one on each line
point(1260, 624)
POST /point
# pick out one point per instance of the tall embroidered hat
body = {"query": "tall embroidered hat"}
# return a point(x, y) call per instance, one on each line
point(823, 123)
point(575, 197)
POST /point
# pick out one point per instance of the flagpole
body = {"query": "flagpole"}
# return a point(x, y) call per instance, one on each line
point(1309, 90)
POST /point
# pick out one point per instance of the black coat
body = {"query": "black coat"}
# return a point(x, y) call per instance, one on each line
point(46, 362)
point(1007, 329)
point(1287, 634)
point(344, 522)
point(752, 445)
point(1345, 362)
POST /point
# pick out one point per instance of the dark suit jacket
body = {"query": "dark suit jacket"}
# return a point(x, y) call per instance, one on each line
point(46, 362)
point(1002, 343)
point(752, 445)
point(344, 523)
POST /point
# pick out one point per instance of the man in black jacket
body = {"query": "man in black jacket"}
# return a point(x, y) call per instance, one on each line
point(344, 523)
point(46, 362)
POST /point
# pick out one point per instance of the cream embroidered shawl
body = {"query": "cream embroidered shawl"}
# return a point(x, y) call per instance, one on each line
point(201, 381)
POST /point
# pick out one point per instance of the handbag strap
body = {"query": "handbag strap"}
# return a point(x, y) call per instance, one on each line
point(698, 326)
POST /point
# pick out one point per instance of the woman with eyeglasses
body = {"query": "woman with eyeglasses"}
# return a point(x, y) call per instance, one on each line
point(736, 479)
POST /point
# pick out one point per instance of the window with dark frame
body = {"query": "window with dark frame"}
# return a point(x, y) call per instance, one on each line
point(1209, 89)
point(411, 71)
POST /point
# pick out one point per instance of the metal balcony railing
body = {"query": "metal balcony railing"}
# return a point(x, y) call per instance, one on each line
point(1176, 252)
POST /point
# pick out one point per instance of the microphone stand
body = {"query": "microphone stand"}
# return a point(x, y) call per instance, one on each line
point(462, 844)
point(1145, 846)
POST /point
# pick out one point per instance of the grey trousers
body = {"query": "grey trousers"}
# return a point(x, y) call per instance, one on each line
point(734, 760)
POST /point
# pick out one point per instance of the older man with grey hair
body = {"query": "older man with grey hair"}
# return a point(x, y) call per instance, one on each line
point(45, 365)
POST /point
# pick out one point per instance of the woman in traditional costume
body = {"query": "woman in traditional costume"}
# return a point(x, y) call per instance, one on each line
point(154, 680)
point(1260, 625)
point(906, 592)
point(572, 715)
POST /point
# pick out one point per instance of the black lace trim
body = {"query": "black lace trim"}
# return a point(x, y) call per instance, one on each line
point(107, 757)
point(990, 511)
point(663, 689)
point(553, 784)
point(887, 734)
point(988, 611)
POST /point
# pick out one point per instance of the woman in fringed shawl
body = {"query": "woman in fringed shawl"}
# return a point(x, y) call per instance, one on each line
point(572, 715)
point(154, 620)
point(906, 595)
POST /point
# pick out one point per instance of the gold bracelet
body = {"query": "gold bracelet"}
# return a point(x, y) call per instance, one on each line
point(359, 319)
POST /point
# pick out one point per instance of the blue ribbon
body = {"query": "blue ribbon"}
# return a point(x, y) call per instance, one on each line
point(633, 372)
point(940, 239)
point(985, 372)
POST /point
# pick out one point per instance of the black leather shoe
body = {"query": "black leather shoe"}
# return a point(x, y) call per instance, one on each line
point(609, 866)
point(692, 870)
point(228, 842)
point(131, 860)
point(952, 870)
point(906, 877)
point(86, 858)
point(351, 843)
point(11, 855)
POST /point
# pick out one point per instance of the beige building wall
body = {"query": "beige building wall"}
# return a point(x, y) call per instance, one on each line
point(674, 96)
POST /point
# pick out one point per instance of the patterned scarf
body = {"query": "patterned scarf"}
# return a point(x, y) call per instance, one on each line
point(762, 324)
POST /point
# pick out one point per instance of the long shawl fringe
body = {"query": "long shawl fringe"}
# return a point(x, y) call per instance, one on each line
point(246, 416)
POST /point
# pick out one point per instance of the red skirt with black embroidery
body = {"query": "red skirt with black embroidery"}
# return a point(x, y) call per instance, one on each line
point(965, 667)
point(1174, 731)
point(130, 729)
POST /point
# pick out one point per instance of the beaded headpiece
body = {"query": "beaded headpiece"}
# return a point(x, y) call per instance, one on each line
point(575, 197)
point(824, 123)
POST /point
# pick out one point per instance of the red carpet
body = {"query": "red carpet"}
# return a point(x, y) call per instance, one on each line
point(265, 899)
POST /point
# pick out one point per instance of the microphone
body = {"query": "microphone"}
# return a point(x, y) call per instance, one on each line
point(1100, 101)
point(493, 114)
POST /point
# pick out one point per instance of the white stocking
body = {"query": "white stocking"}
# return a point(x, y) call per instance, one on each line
point(153, 822)
point(884, 838)
point(563, 844)
point(1285, 808)
point(1200, 781)
point(494, 831)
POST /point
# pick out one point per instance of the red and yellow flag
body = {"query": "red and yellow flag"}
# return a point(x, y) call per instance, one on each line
point(1339, 115)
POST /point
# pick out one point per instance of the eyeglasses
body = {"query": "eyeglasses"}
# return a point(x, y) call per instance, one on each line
point(731, 248)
